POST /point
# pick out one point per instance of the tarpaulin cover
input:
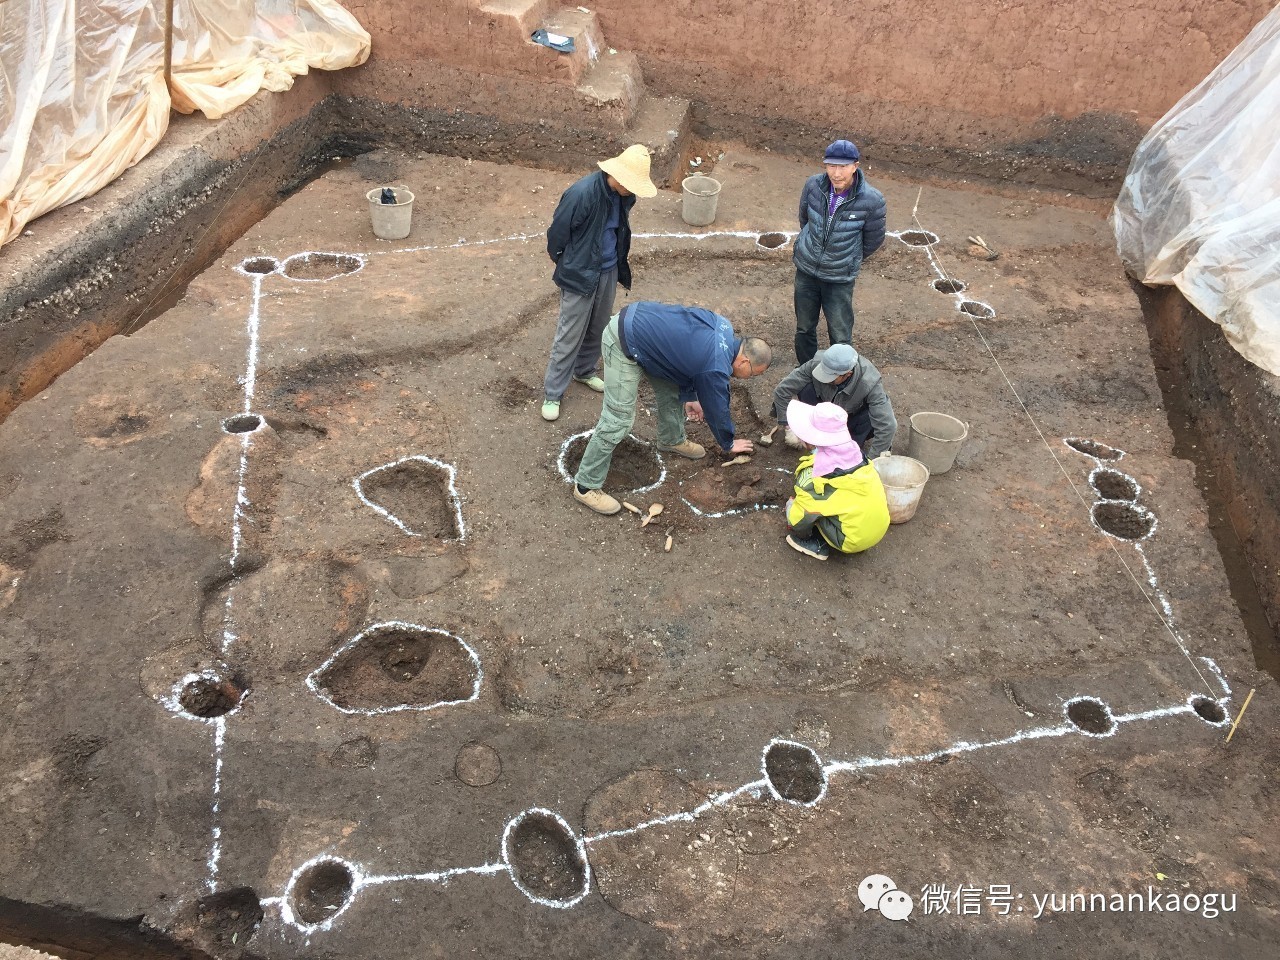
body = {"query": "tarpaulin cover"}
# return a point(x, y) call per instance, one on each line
point(1200, 206)
point(82, 90)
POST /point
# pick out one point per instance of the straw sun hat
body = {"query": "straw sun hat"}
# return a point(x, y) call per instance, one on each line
point(631, 169)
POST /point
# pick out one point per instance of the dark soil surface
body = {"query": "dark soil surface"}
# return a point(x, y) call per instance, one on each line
point(629, 690)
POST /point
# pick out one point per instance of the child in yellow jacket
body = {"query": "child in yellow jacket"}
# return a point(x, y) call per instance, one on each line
point(839, 501)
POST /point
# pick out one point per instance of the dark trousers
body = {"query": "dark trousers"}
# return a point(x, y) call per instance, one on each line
point(859, 422)
point(833, 299)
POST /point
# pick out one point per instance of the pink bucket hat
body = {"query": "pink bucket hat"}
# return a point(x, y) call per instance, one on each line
point(823, 425)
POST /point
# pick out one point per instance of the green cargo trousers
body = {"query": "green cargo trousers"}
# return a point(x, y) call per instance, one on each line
point(622, 377)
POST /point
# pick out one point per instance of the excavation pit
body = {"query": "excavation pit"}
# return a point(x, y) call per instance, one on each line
point(399, 666)
point(1114, 485)
point(1092, 448)
point(418, 495)
point(974, 308)
point(548, 862)
point(1090, 716)
point(320, 266)
point(1209, 710)
point(1124, 521)
point(918, 238)
point(211, 695)
point(795, 773)
point(321, 891)
point(947, 285)
point(259, 266)
point(772, 241)
point(636, 466)
point(242, 423)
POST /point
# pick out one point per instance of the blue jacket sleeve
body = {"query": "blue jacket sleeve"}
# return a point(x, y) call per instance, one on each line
point(804, 207)
point(713, 393)
point(561, 226)
point(873, 230)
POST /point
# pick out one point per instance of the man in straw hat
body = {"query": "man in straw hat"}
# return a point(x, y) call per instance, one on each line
point(842, 219)
point(839, 501)
point(688, 355)
point(588, 241)
point(841, 376)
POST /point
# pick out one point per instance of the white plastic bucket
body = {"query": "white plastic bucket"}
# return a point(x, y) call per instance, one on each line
point(701, 193)
point(935, 440)
point(904, 480)
point(391, 221)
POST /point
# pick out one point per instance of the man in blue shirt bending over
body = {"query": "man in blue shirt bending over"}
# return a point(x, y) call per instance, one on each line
point(688, 354)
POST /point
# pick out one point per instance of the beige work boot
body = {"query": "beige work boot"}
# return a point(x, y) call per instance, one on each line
point(685, 448)
point(597, 500)
point(791, 440)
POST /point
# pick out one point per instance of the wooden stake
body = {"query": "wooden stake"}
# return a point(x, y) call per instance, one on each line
point(1243, 708)
point(168, 44)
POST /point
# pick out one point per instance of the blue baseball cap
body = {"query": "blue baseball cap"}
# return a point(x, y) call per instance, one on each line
point(841, 153)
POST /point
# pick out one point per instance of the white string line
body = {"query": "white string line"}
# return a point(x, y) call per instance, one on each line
point(937, 264)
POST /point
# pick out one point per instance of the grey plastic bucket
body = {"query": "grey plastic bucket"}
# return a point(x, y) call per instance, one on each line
point(935, 440)
point(391, 221)
point(904, 479)
point(701, 193)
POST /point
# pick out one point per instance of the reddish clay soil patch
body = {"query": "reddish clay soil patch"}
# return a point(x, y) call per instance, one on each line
point(717, 489)
point(209, 697)
point(398, 666)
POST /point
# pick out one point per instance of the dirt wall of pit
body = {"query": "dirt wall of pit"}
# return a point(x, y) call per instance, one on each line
point(1236, 408)
point(1047, 92)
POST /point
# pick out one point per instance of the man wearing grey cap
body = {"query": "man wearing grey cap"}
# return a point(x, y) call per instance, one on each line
point(839, 375)
point(842, 220)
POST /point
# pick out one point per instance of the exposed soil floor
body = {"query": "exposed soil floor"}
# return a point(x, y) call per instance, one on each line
point(306, 650)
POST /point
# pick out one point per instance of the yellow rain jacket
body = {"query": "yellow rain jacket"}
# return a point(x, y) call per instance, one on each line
point(848, 508)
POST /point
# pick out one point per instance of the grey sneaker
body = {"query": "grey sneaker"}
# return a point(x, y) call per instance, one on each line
point(811, 546)
point(685, 448)
point(550, 410)
point(597, 500)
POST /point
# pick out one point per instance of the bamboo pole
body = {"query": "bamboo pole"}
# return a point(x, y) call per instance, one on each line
point(168, 43)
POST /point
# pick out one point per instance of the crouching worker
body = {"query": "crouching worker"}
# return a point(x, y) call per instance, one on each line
point(839, 500)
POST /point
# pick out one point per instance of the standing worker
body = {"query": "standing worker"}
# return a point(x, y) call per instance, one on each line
point(841, 224)
point(588, 241)
point(689, 355)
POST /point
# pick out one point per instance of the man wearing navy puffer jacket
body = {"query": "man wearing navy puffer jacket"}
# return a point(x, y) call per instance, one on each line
point(841, 224)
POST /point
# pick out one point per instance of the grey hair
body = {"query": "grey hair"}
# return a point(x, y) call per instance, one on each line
point(757, 352)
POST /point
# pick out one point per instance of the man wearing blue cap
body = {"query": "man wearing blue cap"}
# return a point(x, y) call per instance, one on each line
point(841, 224)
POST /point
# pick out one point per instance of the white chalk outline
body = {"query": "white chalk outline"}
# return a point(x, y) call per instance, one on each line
point(454, 497)
point(755, 788)
point(777, 794)
point(243, 270)
point(1104, 468)
point(361, 260)
point(313, 683)
point(579, 848)
point(1106, 712)
point(899, 234)
point(1133, 505)
point(969, 301)
point(732, 511)
point(657, 455)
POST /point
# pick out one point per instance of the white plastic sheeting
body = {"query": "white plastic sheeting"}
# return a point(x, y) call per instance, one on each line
point(1200, 206)
point(82, 90)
